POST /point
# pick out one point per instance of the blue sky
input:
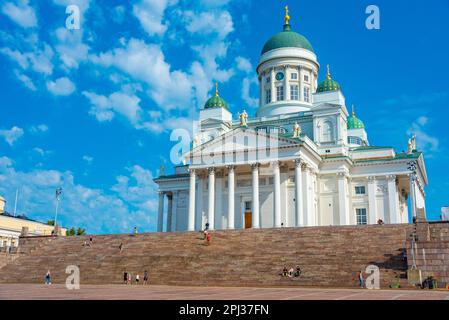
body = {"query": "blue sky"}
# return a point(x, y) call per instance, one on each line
point(92, 109)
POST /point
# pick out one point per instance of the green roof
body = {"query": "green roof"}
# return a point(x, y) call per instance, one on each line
point(216, 102)
point(329, 84)
point(355, 123)
point(287, 39)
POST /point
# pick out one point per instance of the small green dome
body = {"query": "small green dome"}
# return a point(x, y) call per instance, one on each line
point(354, 122)
point(216, 101)
point(287, 39)
point(329, 84)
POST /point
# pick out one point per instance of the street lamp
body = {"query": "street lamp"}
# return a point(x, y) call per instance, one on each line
point(57, 196)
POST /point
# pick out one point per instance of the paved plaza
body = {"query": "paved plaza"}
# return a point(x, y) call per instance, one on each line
point(122, 292)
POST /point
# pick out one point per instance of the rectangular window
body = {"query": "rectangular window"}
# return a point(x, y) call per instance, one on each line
point(294, 92)
point(306, 78)
point(294, 76)
point(361, 216)
point(280, 93)
point(360, 190)
point(247, 205)
point(306, 94)
point(267, 96)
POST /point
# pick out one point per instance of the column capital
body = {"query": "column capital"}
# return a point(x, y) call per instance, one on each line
point(192, 171)
point(230, 167)
point(255, 166)
point(371, 179)
point(391, 177)
point(276, 164)
point(342, 175)
point(161, 193)
point(298, 162)
point(211, 170)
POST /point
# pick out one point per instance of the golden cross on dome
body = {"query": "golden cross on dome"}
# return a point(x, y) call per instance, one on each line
point(353, 111)
point(287, 17)
point(328, 75)
point(216, 89)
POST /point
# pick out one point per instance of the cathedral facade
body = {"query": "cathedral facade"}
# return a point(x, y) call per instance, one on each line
point(303, 160)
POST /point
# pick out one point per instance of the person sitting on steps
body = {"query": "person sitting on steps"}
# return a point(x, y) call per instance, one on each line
point(297, 272)
point(285, 271)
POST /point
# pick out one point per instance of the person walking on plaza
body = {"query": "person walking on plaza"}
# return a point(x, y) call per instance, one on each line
point(48, 278)
point(135, 230)
point(206, 230)
point(208, 238)
point(125, 277)
point(145, 277)
point(137, 279)
point(129, 279)
point(361, 279)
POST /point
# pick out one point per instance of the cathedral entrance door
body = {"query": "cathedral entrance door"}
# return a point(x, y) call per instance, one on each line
point(248, 220)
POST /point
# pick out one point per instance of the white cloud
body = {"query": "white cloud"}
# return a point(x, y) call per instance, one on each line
point(41, 128)
point(206, 23)
point(70, 47)
point(11, 135)
point(132, 201)
point(61, 87)
point(21, 13)
point(146, 63)
point(38, 60)
point(26, 81)
point(425, 142)
point(88, 159)
point(41, 152)
point(104, 108)
point(150, 14)
point(246, 88)
point(243, 64)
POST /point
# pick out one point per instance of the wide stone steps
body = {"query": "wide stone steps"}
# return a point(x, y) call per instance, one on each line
point(328, 256)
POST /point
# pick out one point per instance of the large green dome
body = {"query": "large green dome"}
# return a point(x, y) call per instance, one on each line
point(216, 101)
point(287, 39)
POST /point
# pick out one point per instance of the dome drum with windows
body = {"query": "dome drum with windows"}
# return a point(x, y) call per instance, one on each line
point(216, 101)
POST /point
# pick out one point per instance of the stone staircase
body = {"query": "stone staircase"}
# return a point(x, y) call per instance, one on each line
point(328, 257)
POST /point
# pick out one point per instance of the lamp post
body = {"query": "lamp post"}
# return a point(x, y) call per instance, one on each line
point(57, 196)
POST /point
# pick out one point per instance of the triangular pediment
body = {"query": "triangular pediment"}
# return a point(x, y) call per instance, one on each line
point(242, 140)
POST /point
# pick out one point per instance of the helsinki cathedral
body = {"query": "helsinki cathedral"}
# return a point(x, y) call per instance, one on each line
point(303, 160)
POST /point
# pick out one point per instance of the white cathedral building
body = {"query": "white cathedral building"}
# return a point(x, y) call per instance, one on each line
point(302, 161)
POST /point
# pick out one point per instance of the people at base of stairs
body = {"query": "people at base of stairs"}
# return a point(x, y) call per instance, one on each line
point(48, 278)
point(125, 277)
point(137, 279)
point(129, 278)
point(290, 273)
point(120, 247)
point(145, 277)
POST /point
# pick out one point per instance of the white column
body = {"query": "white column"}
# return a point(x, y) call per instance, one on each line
point(160, 216)
point(174, 220)
point(343, 199)
point(412, 196)
point(211, 207)
point(219, 201)
point(256, 217)
point(277, 194)
point(273, 87)
point(305, 195)
point(169, 212)
point(199, 225)
point(372, 200)
point(299, 218)
point(393, 199)
point(286, 84)
point(231, 197)
point(191, 217)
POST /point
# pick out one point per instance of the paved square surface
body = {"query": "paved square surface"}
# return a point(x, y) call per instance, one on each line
point(140, 292)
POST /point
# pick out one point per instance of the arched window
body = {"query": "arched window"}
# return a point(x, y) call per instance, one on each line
point(327, 135)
